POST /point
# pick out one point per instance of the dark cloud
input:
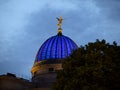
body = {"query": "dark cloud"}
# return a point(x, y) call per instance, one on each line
point(44, 23)
point(109, 8)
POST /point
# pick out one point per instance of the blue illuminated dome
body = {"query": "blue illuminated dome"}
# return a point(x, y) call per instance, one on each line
point(56, 48)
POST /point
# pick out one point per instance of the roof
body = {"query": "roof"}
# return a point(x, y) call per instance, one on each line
point(55, 48)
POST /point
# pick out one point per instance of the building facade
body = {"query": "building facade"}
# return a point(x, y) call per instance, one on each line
point(11, 82)
point(49, 58)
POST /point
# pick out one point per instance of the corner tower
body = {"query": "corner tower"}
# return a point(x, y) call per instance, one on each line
point(49, 57)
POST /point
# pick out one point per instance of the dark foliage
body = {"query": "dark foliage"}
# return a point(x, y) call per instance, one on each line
point(95, 66)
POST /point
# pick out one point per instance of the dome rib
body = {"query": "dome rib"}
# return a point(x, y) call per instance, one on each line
point(69, 44)
point(66, 49)
point(48, 52)
point(56, 51)
point(46, 48)
point(61, 47)
point(52, 46)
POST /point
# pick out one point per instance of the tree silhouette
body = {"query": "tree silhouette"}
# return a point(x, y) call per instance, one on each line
point(96, 66)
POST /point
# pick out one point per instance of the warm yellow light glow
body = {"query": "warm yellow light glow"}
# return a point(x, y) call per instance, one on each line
point(43, 68)
point(59, 30)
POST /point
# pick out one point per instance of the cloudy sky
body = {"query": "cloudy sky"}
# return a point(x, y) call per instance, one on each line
point(26, 24)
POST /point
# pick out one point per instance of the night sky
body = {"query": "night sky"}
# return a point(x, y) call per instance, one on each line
point(26, 24)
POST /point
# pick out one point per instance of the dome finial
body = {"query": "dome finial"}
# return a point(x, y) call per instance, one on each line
point(59, 24)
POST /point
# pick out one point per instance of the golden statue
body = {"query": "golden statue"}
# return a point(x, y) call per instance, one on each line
point(59, 22)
